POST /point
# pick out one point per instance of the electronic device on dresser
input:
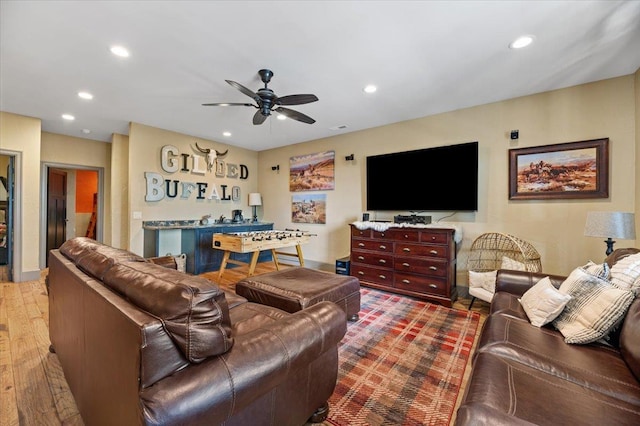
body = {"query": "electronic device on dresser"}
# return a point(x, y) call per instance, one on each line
point(416, 261)
point(412, 219)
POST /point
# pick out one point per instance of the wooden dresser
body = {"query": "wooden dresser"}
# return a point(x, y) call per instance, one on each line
point(419, 262)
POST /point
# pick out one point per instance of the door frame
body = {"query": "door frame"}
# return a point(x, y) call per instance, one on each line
point(44, 176)
point(16, 242)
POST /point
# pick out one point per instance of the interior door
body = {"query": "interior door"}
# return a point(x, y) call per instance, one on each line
point(56, 209)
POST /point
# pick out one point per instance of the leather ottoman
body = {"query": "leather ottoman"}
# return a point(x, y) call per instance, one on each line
point(297, 288)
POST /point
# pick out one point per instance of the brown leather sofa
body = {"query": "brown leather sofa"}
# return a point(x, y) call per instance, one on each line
point(143, 344)
point(525, 375)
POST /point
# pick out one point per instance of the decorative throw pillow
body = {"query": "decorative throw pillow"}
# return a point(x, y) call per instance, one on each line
point(625, 273)
point(485, 280)
point(543, 302)
point(512, 264)
point(599, 270)
point(595, 308)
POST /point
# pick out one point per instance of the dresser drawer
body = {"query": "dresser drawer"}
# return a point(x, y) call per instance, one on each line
point(435, 237)
point(426, 250)
point(421, 265)
point(383, 235)
point(383, 260)
point(373, 245)
point(404, 235)
point(372, 274)
point(421, 284)
point(364, 233)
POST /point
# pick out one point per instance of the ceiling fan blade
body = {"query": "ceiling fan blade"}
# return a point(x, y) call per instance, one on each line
point(258, 118)
point(297, 99)
point(295, 115)
point(229, 104)
point(243, 89)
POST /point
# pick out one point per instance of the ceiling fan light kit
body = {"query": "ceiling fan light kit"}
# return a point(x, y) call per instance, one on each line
point(267, 101)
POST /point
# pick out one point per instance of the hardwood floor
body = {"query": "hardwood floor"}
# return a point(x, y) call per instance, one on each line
point(33, 387)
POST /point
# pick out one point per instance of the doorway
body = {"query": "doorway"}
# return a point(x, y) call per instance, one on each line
point(73, 200)
point(7, 174)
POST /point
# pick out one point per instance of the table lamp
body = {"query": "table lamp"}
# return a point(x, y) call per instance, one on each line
point(610, 225)
point(255, 200)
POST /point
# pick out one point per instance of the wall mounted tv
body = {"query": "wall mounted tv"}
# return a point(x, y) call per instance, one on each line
point(443, 178)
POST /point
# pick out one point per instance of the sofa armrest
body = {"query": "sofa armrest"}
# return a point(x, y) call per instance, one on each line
point(224, 385)
point(518, 282)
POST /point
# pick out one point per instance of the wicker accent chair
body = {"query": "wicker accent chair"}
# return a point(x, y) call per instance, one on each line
point(486, 254)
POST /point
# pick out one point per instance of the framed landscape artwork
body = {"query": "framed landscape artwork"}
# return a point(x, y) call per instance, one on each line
point(309, 208)
point(312, 172)
point(564, 171)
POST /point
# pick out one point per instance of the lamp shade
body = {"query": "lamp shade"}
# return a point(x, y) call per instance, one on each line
point(610, 225)
point(255, 199)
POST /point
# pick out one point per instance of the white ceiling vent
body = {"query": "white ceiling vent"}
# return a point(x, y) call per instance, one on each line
point(336, 128)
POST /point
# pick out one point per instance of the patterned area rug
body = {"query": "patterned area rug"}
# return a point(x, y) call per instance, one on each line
point(401, 363)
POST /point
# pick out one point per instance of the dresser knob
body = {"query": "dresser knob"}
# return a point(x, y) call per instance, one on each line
point(406, 281)
point(406, 236)
point(382, 276)
point(383, 247)
point(382, 261)
point(433, 286)
point(433, 268)
point(360, 244)
point(406, 249)
point(433, 238)
point(405, 264)
point(434, 252)
point(360, 257)
point(360, 273)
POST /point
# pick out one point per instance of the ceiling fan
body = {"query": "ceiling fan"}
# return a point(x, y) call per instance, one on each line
point(267, 101)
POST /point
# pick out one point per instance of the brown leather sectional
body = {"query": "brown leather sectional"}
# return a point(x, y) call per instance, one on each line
point(140, 343)
point(525, 375)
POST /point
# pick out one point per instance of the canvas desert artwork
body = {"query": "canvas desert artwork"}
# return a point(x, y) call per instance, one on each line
point(312, 172)
point(574, 170)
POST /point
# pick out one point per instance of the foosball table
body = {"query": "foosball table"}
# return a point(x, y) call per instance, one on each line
point(256, 241)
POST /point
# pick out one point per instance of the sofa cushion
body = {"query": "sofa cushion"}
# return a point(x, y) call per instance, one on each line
point(599, 368)
point(543, 302)
point(595, 309)
point(95, 258)
point(193, 309)
point(630, 338)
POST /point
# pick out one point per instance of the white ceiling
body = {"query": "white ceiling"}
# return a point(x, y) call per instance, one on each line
point(426, 57)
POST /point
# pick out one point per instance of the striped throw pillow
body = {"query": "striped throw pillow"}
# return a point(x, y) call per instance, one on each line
point(625, 273)
point(600, 270)
point(595, 308)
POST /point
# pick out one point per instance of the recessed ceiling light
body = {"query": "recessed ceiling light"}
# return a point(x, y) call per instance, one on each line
point(85, 95)
point(120, 51)
point(86, 131)
point(522, 41)
point(370, 88)
point(226, 134)
point(68, 117)
point(282, 117)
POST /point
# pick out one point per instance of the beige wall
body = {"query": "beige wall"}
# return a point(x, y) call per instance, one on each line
point(79, 153)
point(120, 191)
point(21, 135)
point(145, 145)
point(601, 109)
point(637, 185)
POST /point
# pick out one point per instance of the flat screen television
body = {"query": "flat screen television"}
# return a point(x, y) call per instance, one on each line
point(443, 178)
